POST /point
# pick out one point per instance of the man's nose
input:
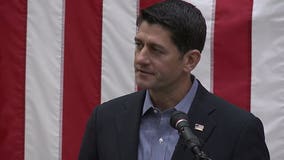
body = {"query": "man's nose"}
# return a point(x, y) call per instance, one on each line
point(142, 56)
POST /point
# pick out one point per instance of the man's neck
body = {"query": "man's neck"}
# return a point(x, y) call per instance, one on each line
point(165, 99)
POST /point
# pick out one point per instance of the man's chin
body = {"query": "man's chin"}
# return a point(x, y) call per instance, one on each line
point(143, 85)
point(140, 87)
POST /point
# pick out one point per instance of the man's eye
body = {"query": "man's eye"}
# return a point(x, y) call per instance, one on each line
point(138, 45)
point(156, 50)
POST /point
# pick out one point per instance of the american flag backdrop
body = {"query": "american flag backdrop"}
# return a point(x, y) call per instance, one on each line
point(60, 58)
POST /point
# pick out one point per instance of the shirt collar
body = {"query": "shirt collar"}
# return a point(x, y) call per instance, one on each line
point(183, 106)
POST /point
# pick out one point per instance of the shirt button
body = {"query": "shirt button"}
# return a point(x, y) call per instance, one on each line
point(161, 140)
point(156, 111)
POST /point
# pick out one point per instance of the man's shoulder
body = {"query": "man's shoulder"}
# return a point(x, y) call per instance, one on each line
point(230, 110)
point(223, 108)
point(122, 101)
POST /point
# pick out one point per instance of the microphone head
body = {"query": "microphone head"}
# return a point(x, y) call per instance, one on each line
point(180, 122)
point(179, 119)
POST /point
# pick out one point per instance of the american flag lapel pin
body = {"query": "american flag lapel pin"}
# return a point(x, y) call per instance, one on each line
point(199, 127)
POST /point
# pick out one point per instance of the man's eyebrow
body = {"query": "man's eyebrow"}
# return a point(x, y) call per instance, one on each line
point(136, 39)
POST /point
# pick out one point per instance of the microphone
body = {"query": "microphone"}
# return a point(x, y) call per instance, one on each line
point(180, 122)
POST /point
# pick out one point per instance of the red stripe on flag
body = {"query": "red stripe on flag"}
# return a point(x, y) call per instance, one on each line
point(82, 70)
point(232, 51)
point(12, 78)
point(147, 3)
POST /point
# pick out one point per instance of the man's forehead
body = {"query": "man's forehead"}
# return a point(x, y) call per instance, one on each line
point(152, 32)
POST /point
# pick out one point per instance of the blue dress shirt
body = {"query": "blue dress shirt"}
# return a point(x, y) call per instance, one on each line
point(157, 139)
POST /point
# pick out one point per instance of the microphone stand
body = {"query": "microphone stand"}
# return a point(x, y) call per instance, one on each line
point(202, 156)
point(198, 154)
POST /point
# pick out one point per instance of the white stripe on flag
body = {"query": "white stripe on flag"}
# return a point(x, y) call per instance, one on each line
point(43, 80)
point(119, 18)
point(267, 86)
point(204, 69)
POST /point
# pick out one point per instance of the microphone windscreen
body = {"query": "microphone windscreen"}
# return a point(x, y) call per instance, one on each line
point(177, 116)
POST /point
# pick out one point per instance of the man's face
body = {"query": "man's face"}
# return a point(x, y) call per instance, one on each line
point(158, 63)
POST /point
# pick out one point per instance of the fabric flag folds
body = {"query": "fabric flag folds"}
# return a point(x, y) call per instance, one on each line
point(59, 59)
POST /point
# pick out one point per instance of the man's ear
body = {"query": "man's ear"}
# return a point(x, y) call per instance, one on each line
point(191, 59)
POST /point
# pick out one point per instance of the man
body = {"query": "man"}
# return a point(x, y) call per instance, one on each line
point(169, 42)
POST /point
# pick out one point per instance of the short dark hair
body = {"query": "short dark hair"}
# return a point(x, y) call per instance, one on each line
point(184, 21)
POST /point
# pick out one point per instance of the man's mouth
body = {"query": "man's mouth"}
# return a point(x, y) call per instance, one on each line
point(143, 71)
